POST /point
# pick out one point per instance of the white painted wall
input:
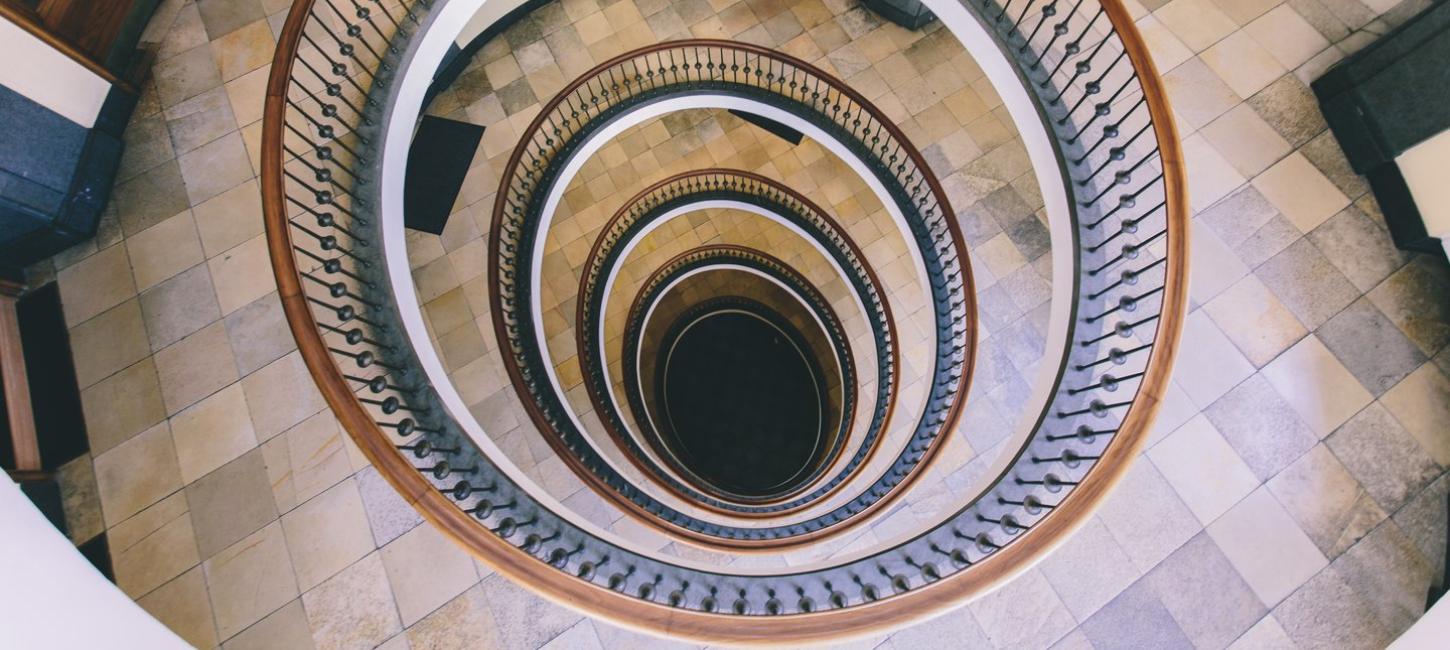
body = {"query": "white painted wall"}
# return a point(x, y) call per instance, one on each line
point(48, 77)
point(51, 596)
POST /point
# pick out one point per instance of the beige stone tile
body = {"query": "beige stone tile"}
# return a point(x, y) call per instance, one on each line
point(80, 499)
point(1167, 50)
point(1198, 23)
point(1267, 547)
point(179, 306)
point(182, 605)
point(215, 167)
point(126, 534)
point(125, 487)
point(1214, 266)
point(230, 503)
point(1205, 471)
point(1421, 402)
point(1255, 320)
point(1208, 363)
point(156, 558)
point(1244, 11)
point(1329, 504)
point(355, 608)
point(122, 405)
point(1287, 36)
point(426, 570)
point(242, 274)
point(212, 433)
point(1316, 385)
point(464, 622)
point(243, 50)
point(199, 120)
point(163, 250)
point(524, 620)
point(1267, 633)
point(230, 218)
point(1246, 140)
point(1413, 298)
point(1243, 64)
point(316, 459)
point(281, 394)
point(249, 580)
point(1030, 592)
point(1089, 570)
point(1198, 95)
point(1144, 495)
point(327, 533)
point(95, 284)
point(1300, 192)
point(1210, 176)
point(195, 367)
point(247, 95)
point(284, 628)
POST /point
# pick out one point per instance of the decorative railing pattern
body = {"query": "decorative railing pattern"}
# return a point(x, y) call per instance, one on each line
point(717, 255)
point(692, 188)
point(683, 68)
point(1107, 114)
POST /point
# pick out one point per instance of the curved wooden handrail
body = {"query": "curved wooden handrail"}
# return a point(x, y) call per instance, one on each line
point(582, 337)
point(647, 615)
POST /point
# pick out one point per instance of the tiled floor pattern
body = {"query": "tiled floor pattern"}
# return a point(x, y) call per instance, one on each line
point(1293, 494)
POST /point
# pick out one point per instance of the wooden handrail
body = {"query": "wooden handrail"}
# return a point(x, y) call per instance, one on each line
point(646, 615)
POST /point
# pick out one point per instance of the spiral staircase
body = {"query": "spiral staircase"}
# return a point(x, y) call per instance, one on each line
point(771, 534)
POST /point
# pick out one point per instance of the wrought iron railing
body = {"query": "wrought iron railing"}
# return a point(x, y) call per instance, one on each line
point(693, 188)
point(1108, 118)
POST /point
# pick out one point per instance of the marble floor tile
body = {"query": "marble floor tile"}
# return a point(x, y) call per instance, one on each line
point(186, 75)
point(1370, 346)
point(150, 197)
point(1030, 595)
point(242, 274)
point(243, 50)
point(1089, 570)
point(195, 367)
point(1359, 247)
point(284, 628)
point(1290, 108)
point(163, 250)
point(199, 120)
point(1328, 613)
point(1199, 23)
point(1307, 283)
point(280, 395)
point(1324, 151)
point(1390, 574)
point(1242, 63)
point(1210, 175)
point(523, 619)
point(1331, 507)
point(122, 405)
point(1203, 469)
point(230, 218)
point(259, 334)
point(1301, 192)
point(1387, 460)
point(80, 499)
point(179, 306)
point(222, 17)
point(1421, 403)
point(1144, 495)
point(1208, 365)
point(155, 559)
point(1316, 385)
point(182, 605)
point(426, 570)
point(124, 489)
point(1287, 36)
point(354, 608)
point(1267, 547)
point(327, 534)
point(388, 514)
point(1198, 95)
point(1135, 619)
point(1267, 634)
point(1249, 143)
point(1261, 426)
point(249, 580)
point(1413, 298)
point(1255, 320)
point(215, 167)
point(1204, 594)
point(230, 503)
point(462, 623)
point(212, 433)
point(95, 284)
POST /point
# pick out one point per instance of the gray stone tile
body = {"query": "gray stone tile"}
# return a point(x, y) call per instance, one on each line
point(186, 75)
point(259, 334)
point(230, 503)
point(1414, 299)
point(524, 620)
point(1135, 619)
point(1274, 236)
point(1422, 519)
point(179, 306)
point(1237, 217)
point(80, 499)
point(215, 167)
point(957, 625)
point(353, 609)
point(200, 120)
point(1261, 426)
point(1370, 346)
point(1144, 495)
point(1327, 613)
point(1359, 247)
point(1290, 108)
point(1325, 153)
point(1205, 594)
point(1390, 574)
point(153, 196)
point(389, 515)
point(516, 96)
point(1386, 459)
point(1307, 283)
point(1028, 597)
point(1089, 570)
point(148, 144)
point(1330, 506)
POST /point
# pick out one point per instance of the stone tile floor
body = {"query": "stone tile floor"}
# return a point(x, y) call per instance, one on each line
point(1293, 494)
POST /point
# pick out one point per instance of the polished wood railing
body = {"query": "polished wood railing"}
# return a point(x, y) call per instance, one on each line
point(1106, 114)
